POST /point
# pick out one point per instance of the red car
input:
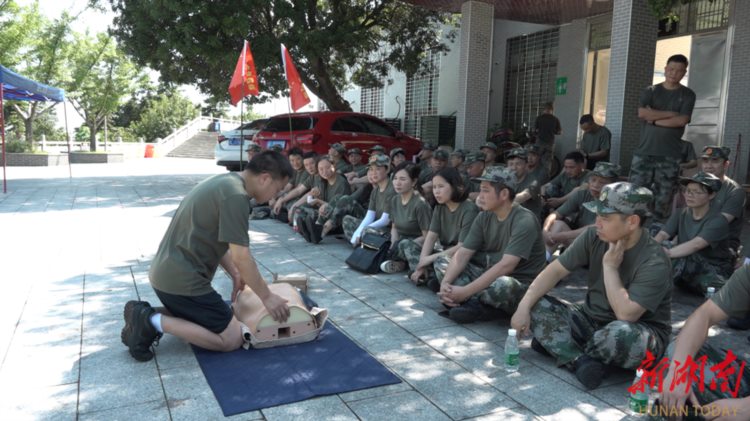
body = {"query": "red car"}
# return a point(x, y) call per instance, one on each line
point(317, 131)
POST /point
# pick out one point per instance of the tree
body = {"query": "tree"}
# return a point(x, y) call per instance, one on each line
point(162, 115)
point(198, 42)
point(103, 77)
point(18, 26)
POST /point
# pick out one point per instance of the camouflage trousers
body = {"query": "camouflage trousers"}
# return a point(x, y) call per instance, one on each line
point(713, 356)
point(259, 210)
point(567, 333)
point(305, 211)
point(351, 223)
point(504, 293)
point(697, 274)
point(660, 175)
point(339, 208)
point(411, 251)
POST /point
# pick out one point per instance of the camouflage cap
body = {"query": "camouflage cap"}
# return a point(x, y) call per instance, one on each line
point(460, 153)
point(379, 161)
point(377, 148)
point(518, 153)
point(499, 174)
point(338, 148)
point(396, 151)
point(441, 154)
point(429, 146)
point(534, 148)
point(277, 148)
point(475, 157)
point(712, 151)
point(622, 197)
point(710, 181)
point(354, 151)
point(488, 145)
point(606, 169)
point(253, 147)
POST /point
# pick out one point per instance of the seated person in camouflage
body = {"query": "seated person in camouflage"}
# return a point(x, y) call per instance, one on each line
point(475, 165)
point(627, 310)
point(733, 300)
point(259, 210)
point(449, 226)
point(439, 161)
point(336, 152)
point(500, 256)
point(410, 218)
point(295, 159)
point(329, 187)
point(252, 149)
point(700, 239)
point(377, 217)
point(397, 156)
point(490, 154)
point(535, 168)
point(596, 141)
point(573, 177)
point(566, 223)
point(527, 187)
point(304, 184)
point(425, 155)
point(354, 155)
point(363, 180)
point(730, 199)
point(457, 160)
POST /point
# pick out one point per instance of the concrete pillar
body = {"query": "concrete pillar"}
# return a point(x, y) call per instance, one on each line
point(571, 63)
point(736, 120)
point(631, 70)
point(474, 74)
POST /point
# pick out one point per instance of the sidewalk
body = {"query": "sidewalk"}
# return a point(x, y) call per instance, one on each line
point(75, 251)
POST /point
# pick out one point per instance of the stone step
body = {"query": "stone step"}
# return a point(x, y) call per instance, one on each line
point(199, 146)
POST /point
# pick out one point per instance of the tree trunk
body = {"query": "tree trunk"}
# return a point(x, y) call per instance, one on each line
point(28, 125)
point(93, 128)
point(326, 91)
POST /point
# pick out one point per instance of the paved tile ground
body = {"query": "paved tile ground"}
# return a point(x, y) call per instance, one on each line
point(74, 251)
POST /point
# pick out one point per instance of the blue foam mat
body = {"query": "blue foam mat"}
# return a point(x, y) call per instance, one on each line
point(247, 380)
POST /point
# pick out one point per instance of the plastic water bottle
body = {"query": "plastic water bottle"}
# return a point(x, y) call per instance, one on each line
point(710, 291)
point(638, 401)
point(511, 351)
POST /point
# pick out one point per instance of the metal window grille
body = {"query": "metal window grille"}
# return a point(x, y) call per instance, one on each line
point(421, 94)
point(600, 33)
point(529, 76)
point(371, 101)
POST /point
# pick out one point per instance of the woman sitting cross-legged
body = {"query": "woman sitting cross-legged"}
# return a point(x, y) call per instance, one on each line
point(410, 216)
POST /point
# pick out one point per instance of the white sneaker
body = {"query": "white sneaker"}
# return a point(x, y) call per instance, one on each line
point(393, 266)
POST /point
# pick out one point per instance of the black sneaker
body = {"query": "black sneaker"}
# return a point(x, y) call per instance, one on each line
point(536, 346)
point(139, 334)
point(433, 284)
point(473, 311)
point(739, 324)
point(302, 227)
point(589, 371)
point(314, 230)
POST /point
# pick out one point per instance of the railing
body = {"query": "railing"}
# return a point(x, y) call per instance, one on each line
point(179, 136)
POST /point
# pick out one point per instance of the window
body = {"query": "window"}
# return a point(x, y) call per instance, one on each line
point(348, 124)
point(377, 128)
point(421, 94)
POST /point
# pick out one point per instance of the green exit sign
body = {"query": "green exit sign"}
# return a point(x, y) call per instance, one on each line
point(561, 85)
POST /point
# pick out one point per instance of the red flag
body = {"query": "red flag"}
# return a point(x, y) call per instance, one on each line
point(244, 80)
point(297, 92)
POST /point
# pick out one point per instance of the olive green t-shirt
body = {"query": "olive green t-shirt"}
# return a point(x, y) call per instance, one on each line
point(574, 210)
point(379, 200)
point(300, 177)
point(329, 192)
point(360, 170)
point(734, 297)
point(425, 176)
point(730, 199)
point(534, 203)
point(343, 167)
point(664, 141)
point(214, 214)
point(567, 184)
point(541, 174)
point(410, 219)
point(645, 272)
point(713, 228)
point(309, 180)
point(596, 141)
point(453, 227)
point(518, 235)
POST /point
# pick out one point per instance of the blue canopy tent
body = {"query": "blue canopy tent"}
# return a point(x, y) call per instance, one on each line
point(16, 87)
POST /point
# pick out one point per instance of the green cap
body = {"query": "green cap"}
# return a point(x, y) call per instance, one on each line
point(622, 197)
point(489, 146)
point(518, 153)
point(379, 161)
point(712, 151)
point(396, 151)
point(354, 151)
point(338, 148)
point(429, 146)
point(253, 147)
point(441, 154)
point(534, 148)
point(606, 170)
point(475, 157)
point(499, 174)
point(710, 181)
point(377, 148)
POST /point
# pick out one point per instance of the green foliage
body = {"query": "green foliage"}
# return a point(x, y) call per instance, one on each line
point(163, 115)
point(667, 9)
point(16, 146)
point(198, 42)
point(123, 132)
point(18, 27)
point(82, 134)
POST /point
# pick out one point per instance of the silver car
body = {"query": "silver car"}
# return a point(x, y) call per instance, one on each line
point(227, 151)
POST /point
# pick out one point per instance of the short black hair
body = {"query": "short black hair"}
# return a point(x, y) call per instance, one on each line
point(499, 188)
point(548, 106)
point(322, 158)
point(453, 177)
point(309, 155)
point(586, 118)
point(295, 151)
point(271, 162)
point(575, 156)
point(411, 169)
point(678, 58)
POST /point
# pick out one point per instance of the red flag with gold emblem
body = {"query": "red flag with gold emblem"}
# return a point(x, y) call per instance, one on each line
point(244, 80)
point(297, 92)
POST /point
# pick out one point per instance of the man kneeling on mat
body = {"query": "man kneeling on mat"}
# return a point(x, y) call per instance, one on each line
point(210, 228)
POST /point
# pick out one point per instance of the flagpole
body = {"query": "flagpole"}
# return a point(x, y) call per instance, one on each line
point(242, 106)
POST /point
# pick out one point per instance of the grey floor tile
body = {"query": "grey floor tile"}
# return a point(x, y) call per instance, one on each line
point(465, 347)
point(400, 406)
point(515, 414)
point(374, 392)
point(323, 408)
point(151, 410)
point(27, 401)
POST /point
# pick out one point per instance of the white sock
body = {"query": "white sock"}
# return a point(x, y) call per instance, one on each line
point(156, 322)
